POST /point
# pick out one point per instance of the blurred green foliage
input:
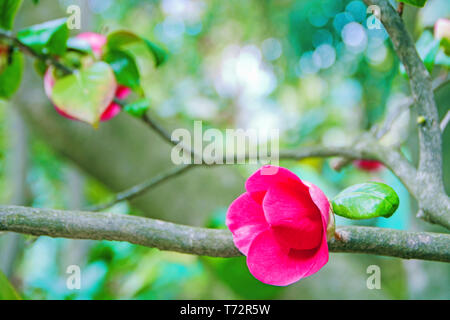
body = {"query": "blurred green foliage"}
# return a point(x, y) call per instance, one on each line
point(311, 68)
point(7, 291)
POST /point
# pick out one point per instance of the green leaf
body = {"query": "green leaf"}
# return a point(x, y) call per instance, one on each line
point(87, 93)
point(40, 67)
point(47, 38)
point(159, 53)
point(417, 3)
point(443, 59)
point(430, 56)
point(7, 291)
point(125, 68)
point(428, 47)
point(445, 44)
point(120, 39)
point(8, 11)
point(365, 201)
point(11, 76)
point(138, 108)
point(79, 45)
point(74, 60)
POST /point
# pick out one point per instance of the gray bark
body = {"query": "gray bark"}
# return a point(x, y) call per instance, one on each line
point(210, 242)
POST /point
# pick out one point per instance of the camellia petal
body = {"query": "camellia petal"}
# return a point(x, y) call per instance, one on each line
point(320, 256)
point(273, 264)
point(112, 111)
point(258, 183)
point(49, 82)
point(122, 92)
point(320, 200)
point(293, 217)
point(245, 219)
point(65, 115)
point(95, 40)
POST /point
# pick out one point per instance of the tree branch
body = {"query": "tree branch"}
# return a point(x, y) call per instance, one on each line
point(143, 187)
point(400, 8)
point(306, 152)
point(349, 152)
point(421, 88)
point(49, 60)
point(208, 242)
point(428, 186)
point(438, 83)
point(445, 121)
point(155, 126)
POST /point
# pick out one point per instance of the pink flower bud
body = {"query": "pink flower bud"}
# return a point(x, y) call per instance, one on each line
point(96, 41)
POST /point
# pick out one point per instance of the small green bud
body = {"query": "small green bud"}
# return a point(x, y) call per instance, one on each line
point(421, 120)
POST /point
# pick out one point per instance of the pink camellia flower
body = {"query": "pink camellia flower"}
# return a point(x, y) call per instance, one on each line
point(280, 223)
point(368, 165)
point(97, 42)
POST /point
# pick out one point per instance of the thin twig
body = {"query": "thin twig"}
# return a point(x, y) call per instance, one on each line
point(438, 83)
point(162, 132)
point(48, 59)
point(381, 130)
point(168, 138)
point(400, 8)
point(143, 187)
point(445, 121)
point(158, 129)
point(391, 117)
point(306, 152)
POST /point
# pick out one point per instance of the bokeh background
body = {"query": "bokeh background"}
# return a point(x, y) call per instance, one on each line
point(307, 67)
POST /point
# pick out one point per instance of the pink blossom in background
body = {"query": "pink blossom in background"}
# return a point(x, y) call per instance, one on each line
point(280, 224)
point(96, 41)
point(442, 28)
point(442, 33)
point(122, 92)
point(368, 165)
